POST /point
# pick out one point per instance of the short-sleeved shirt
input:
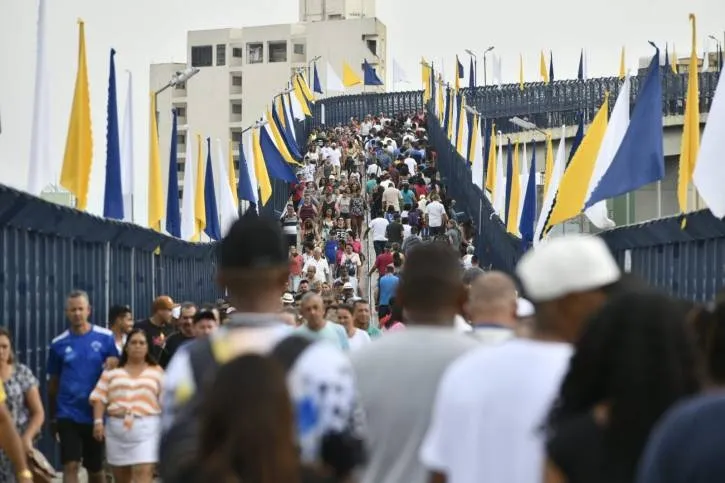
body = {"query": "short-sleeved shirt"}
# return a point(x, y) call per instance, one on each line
point(378, 227)
point(435, 211)
point(77, 361)
point(331, 332)
point(388, 284)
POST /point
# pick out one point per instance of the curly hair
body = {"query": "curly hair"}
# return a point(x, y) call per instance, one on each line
point(638, 356)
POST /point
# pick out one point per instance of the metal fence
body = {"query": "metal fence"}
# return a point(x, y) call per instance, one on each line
point(47, 250)
point(546, 105)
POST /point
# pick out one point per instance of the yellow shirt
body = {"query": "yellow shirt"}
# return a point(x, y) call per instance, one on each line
point(2, 394)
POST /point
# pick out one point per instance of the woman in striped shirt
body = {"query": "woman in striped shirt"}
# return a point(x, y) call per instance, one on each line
point(129, 396)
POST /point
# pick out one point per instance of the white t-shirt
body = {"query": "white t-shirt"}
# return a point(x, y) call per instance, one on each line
point(386, 183)
point(411, 164)
point(358, 340)
point(435, 211)
point(490, 430)
point(335, 155)
point(374, 170)
point(378, 227)
point(407, 231)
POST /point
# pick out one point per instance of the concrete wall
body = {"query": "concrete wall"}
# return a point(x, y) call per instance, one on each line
point(319, 10)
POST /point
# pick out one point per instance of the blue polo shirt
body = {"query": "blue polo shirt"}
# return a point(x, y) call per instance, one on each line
point(388, 285)
point(77, 361)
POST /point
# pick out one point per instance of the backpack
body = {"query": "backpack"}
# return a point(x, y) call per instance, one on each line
point(179, 445)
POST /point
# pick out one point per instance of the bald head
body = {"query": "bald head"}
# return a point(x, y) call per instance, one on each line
point(492, 298)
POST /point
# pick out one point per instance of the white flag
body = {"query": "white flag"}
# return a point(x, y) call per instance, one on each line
point(497, 70)
point(710, 169)
point(549, 197)
point(249, 157)
point(188, 222)
point(297, 111)
point(706, 55)
point(42, 170)
point(613, 136)
point(399, 76)
point(499, 188)
point(322, 113)
point(228, 210)
point(334, 83)
point(127, 171)
point(289, 119)
point(477, 166)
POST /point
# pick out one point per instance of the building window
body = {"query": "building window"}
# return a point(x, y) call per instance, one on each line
point(373, 46)
point(181, 139)
point(255, 53)
point(237, 81)
point(299, 49)
point(236, 108)
point(278, 51)
point(237, 52)
point(180, 86)
point(202, 56)
point(180, 167)
point(181, 111)
point(221, 54)
point(336, 16)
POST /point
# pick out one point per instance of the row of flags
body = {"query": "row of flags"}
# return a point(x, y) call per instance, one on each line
point(618, 154)
point(350, 78)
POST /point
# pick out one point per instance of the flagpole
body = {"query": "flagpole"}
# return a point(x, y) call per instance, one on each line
point(659, 199)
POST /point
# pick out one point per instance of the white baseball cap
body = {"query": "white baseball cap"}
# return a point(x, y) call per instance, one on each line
point(566, 265)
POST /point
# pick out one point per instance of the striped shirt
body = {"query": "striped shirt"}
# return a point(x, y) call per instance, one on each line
point(126, 395)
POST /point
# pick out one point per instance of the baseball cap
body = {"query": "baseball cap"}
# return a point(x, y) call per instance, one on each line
point(163, 302)
point(347, 286)
point(567, 265)
point(254, 242)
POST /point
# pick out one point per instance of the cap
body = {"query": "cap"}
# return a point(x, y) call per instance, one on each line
point(287, 298)
point(164, 302)
point(524, 308)
point(254, 242)
point(566, 265)
point(347, 286)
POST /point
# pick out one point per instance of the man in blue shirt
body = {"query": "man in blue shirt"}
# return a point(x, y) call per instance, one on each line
point(387, 285)
point(76, 359)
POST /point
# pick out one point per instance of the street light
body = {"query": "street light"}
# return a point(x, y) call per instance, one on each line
point(485, 75)
point(527, 125)
point(179, 77)
point(719, 50)
point(475, 66)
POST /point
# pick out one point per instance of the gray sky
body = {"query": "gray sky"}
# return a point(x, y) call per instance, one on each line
point(144, 32)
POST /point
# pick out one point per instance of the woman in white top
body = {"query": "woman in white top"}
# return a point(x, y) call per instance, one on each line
point(130, 398)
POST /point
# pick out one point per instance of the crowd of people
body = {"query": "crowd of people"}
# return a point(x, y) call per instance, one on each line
point(442, 373)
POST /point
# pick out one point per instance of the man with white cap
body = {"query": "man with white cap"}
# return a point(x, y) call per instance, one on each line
point(488, 430)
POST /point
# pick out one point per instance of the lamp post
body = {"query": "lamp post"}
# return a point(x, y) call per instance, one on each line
point(719, 50)
point(485, 75)
point(178, 78)
point(475, 66)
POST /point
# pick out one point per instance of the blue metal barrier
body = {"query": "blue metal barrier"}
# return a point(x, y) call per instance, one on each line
point(48, 250)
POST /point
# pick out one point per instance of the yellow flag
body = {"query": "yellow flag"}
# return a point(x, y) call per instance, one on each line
point(278, 141)
point(673, 63)
point(491, 166)
point(691, 129)
point(425, 77)
point(301, 98)
point(451, 98)
point(472, 147)
point(260, 169)
point(199, 202)
point(457, 83)
point(622, 66)
point(441, 101)
point(305, 88)
point(543, 69)
point(349, 77)
point(76, 172)
point(156, 195)
point(461, 130)
point(279, 104)
point(570, 197)
point(512, 222)
point(549, 166)
point(232, 173)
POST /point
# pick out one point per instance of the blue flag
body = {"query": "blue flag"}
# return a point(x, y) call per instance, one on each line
point(287, 137)
point(486, 142)
point(509, 170)
point(446, 116)
point(472, 75)
point(580, 74)
point(528, 212)
point(245, 190)
point(371, 77)
point(212, 214)
point(576, 142)
point(113, 197)
point(317, 87)
point(551, 67)
point(667, 59)
point(277, 167)
point(173, 213)
point(640, 159)
point(461, 70)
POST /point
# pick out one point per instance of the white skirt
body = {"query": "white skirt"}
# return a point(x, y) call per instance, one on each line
point(136, 446)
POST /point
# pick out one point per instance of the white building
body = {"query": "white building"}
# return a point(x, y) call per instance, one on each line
point(242, 69)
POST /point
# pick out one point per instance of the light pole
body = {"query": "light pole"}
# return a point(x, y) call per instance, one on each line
point(309, 67)
point(719, 50)
point(527, 125)
point(475, 67)
point(178, 78)
point(485, 75)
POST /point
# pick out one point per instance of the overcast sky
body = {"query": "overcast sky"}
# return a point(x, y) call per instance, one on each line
point(149, 31)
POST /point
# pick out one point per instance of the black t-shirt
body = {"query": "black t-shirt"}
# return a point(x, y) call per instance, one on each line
point(175, 340)
point(394, 232)
point(157, 336)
